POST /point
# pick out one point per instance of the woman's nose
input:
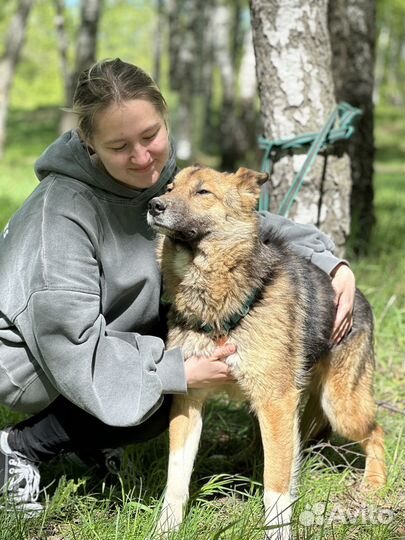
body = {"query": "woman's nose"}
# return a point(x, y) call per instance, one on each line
point(139, 156)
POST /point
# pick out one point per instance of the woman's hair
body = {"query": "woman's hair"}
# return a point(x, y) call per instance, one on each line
point(108, 82)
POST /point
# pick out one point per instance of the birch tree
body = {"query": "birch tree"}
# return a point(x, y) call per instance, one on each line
point(86, 49)
point(293, 64)
point(247, 83)
point(352, 25)
point(233, 56)
point(186, 25)
point(225, 61)
point(158, 41)
point(9, 61)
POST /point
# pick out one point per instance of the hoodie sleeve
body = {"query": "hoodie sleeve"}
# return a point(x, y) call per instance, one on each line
point(305, 240)
point(119, 377)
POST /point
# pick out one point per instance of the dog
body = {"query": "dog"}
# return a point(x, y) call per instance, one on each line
point(223, 283)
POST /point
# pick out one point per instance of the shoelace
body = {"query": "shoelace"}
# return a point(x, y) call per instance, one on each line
point(24, 480)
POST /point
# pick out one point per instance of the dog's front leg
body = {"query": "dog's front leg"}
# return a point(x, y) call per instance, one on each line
point(184, 434)
point(278, 421)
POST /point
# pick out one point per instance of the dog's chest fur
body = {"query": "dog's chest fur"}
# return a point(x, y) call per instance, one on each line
point(182, 258)
point(207, 288)
point(209, 284)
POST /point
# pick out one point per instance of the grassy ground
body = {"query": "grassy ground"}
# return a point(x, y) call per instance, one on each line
point(226, 486)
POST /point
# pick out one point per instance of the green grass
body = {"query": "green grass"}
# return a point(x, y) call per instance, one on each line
point(226, 486)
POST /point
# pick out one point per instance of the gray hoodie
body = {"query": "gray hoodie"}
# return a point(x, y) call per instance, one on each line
point(80, 289)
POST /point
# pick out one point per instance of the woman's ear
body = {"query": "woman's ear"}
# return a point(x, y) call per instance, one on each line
point(86, 142)
point(89, 149)
point(89, 146)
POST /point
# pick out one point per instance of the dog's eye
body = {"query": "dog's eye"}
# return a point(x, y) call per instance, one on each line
point(203, 192)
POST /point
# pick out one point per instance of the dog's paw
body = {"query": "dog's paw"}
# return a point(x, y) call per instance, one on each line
point(170, 518)
point(283, 533)
point(373, 483)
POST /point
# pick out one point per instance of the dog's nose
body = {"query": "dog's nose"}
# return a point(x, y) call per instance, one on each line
point(156, 206)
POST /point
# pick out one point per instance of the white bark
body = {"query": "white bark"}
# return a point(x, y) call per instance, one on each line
point(63, 44)
point(293, 58)
point(247, 72)
point(221, 21)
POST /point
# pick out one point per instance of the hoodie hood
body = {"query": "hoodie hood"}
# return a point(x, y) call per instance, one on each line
point(68, 157)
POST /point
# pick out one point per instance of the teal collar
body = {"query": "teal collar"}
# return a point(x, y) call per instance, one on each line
point(234, 320)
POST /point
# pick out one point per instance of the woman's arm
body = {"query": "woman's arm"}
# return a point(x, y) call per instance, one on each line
point(305, 240)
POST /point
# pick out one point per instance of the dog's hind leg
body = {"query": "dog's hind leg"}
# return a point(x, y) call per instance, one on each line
point(184, 434)
point(278, 419)
point(314, 424)
point(348, 402)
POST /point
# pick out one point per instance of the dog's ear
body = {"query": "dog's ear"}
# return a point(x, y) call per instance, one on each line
point(251, 178)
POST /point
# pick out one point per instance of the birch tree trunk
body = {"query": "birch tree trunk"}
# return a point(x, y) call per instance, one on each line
point(186, 21)
point(9, 61)
point(249, 120)
point(222, 22)
point(352, 29)
point(63, 46)
point(158, 41)
point(86, 52)
point(209, 127)
point(228, 46)
point(293, 59)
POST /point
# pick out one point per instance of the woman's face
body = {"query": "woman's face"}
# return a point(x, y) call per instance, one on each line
point(132, 142)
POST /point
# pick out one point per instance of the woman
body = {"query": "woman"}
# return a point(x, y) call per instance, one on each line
point(80, 330)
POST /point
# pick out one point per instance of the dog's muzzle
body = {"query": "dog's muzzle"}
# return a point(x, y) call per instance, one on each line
point(156, 206)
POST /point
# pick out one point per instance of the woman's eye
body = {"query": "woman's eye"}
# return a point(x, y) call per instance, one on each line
point(119, 148)
point(150, 137)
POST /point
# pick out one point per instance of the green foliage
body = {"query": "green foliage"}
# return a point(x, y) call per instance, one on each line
point(6, 13)
point(133, 42)
point(38, 80)
point(390, 65)
point(126, 30)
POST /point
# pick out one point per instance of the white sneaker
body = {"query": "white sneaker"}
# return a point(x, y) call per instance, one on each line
point(19, 479)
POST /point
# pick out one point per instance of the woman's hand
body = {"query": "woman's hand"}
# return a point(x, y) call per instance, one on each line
point(205, 371)
point(344, 284)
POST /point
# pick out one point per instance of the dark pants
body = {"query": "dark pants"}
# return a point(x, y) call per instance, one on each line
point(63, 427)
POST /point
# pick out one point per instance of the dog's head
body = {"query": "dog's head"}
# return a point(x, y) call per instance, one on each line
point(201, 201)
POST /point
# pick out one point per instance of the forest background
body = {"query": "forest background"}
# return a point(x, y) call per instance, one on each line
point(226, 485)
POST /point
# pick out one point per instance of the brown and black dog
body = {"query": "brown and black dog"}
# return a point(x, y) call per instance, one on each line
point(224, 283)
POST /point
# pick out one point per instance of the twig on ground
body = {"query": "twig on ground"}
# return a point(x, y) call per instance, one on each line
point(390, 407)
